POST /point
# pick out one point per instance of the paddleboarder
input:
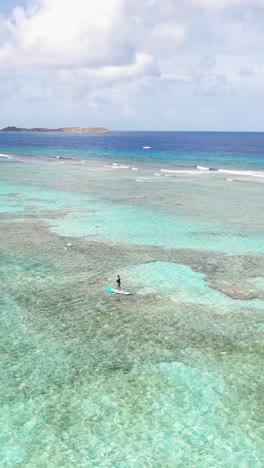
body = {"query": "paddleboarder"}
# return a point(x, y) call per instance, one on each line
point(118, 282)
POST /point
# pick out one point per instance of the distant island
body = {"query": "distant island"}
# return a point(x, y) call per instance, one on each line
point(63, 129)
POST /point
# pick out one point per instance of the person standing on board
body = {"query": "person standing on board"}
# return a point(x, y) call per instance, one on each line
point(118, 282)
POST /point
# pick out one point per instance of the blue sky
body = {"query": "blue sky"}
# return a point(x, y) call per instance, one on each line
point(133, 64)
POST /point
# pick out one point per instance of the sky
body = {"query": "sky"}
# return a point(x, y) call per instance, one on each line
point(133, 64)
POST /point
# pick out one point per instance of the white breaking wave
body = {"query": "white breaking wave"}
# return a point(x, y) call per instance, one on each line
point(203, 168)
point(7, 156)
point(206, 170)
point(179, 171)
point(116, 166)
point(120, 166)
point(242, 173)
point(145, 179)
point(167, 170)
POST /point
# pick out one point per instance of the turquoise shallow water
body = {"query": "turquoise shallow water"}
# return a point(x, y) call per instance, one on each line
point(169, 376)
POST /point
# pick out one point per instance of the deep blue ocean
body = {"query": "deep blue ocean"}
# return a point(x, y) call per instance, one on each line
point(214, 149)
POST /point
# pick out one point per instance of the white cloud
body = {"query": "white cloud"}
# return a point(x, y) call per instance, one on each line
point(225, 4)
point(62, 33)
point(170, 31)
point(60, 50)
point(79, 81)
point(114, 38)
point(85, 45)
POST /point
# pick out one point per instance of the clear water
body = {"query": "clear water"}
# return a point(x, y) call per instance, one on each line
point(169, 376)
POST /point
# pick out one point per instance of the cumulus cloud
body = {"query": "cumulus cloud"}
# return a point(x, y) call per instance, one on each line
point(110, 37)
point(79, 81)
point(120, 49)
point(62, 33)
point(84, 33)
point(86, 44)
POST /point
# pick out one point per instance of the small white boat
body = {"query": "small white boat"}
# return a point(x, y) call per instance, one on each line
point(146, 147)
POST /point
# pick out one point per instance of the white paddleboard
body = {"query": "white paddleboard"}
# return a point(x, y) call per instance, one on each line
point(114, 290)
